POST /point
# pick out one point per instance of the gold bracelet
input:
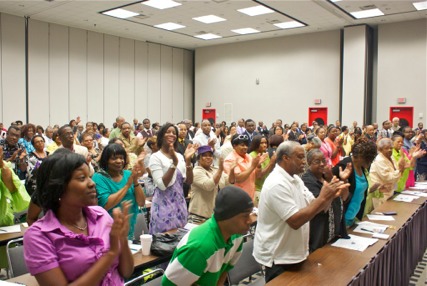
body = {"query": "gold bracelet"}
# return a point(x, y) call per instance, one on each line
point(189, 166)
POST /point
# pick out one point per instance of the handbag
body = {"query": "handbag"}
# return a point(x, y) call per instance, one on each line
point(164, 244)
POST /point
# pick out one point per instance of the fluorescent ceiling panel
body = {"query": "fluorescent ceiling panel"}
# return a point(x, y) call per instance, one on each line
point(244, 31)
point(208, 36)
point(209, 19)
point(120, 13)
point(289, 25)
point(256, 10)
point(420, 5)
point(169, 26)
point(367, 13)
point(161, 4)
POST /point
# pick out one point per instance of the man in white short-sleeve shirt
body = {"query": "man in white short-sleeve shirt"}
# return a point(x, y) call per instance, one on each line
point(286, 206)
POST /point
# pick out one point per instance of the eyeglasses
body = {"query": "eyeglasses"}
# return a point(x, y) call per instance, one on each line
point(241, 137)
point(317, 162)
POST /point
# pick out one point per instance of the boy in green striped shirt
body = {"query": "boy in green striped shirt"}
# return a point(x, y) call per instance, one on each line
point(209, 251)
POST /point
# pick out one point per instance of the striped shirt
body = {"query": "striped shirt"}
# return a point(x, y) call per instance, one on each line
point(202, 256)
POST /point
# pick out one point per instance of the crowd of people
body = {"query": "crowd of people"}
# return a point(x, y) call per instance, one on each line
point(84, 185)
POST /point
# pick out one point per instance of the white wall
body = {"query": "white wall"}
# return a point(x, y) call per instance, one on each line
point(292, 72)
point(73, 72)
point(402, 67)
point(355, 51)
point(12, 71)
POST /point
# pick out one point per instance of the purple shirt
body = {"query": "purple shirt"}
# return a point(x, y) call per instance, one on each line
point(49, 245)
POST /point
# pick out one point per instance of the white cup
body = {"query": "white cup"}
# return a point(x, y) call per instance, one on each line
point(146, 240)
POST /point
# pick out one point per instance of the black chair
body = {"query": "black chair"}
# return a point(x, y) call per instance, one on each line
point(246, 266)
point(15, 257)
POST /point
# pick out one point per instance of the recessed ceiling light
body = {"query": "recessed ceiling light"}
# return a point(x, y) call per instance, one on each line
point(120, 13)
point(245, 31)
point(208, 36)
point(335, 0)
point(289, 25)
point(420, 5)
point(161, 4)
point(367, 13)
point(256, 10)
point(169, 26)
point(209, 19)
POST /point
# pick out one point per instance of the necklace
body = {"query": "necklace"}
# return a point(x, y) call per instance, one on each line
point(81, 228)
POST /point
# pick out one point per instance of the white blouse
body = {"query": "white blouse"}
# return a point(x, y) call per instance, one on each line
point(159, 164)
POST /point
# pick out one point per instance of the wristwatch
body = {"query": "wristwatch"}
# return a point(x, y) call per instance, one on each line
point(172, 166)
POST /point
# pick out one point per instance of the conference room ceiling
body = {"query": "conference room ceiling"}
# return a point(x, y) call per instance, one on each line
point(311, 16)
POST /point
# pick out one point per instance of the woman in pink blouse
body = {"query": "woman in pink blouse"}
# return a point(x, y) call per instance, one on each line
point(76, 241)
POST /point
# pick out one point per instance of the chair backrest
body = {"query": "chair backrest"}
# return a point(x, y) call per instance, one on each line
point(245, 266)
point(155, 282)
point(140, 226)
point(15, 257)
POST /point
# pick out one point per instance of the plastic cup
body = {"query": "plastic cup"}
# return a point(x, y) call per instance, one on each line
point(146, 240)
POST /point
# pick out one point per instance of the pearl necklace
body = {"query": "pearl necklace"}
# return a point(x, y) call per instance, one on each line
point(81, 228)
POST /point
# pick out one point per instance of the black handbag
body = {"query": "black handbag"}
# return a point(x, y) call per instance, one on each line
point(164, 244)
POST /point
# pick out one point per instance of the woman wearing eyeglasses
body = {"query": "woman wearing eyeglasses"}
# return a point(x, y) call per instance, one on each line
point(329, 223)
point(247, 168)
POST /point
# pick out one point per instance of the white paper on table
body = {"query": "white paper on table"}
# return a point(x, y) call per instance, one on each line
point(190, 225)
point(417, 187)
point(381, 235)
point(405, 198)
point(380, 217)
point(134, 248)
point(10, 229)
point(370, 227)
point(5, 283)
point(355, 242)
point(414, 193)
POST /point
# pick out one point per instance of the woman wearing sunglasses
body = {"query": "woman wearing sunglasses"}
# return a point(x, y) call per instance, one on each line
point(247, 168)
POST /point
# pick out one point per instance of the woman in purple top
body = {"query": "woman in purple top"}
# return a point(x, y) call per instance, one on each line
point(76, 241)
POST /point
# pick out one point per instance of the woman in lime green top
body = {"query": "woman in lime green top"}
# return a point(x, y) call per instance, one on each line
point(399, 152)
point(259, 145)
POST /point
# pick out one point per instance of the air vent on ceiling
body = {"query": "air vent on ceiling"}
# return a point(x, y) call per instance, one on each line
point(141, 17)
point(275, 21)
point(220, 1)
point(368, 7)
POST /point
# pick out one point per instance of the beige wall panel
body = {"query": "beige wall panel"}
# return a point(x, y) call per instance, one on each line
point(154, 83)
point(38, 72)
point(95, 78)
point(127, 79)
point(111, 79)
point(13, 69)
point(178, 85)
point(58, 74)
point(141, 80)
point(78, 74)
point(166, 80)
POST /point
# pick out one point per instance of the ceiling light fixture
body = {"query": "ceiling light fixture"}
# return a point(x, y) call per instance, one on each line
point(120, 13)
point(420, 5)
point(208, 36)
point(367, 13)
point(289, 25)
point(209, 19)
point(161, 4)
point(256, 10)
point(245, 31)
point(169, 26)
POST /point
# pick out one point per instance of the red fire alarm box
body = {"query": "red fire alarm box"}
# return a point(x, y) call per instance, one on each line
point(318, 114)
point(404, 113)
point(209, 114)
